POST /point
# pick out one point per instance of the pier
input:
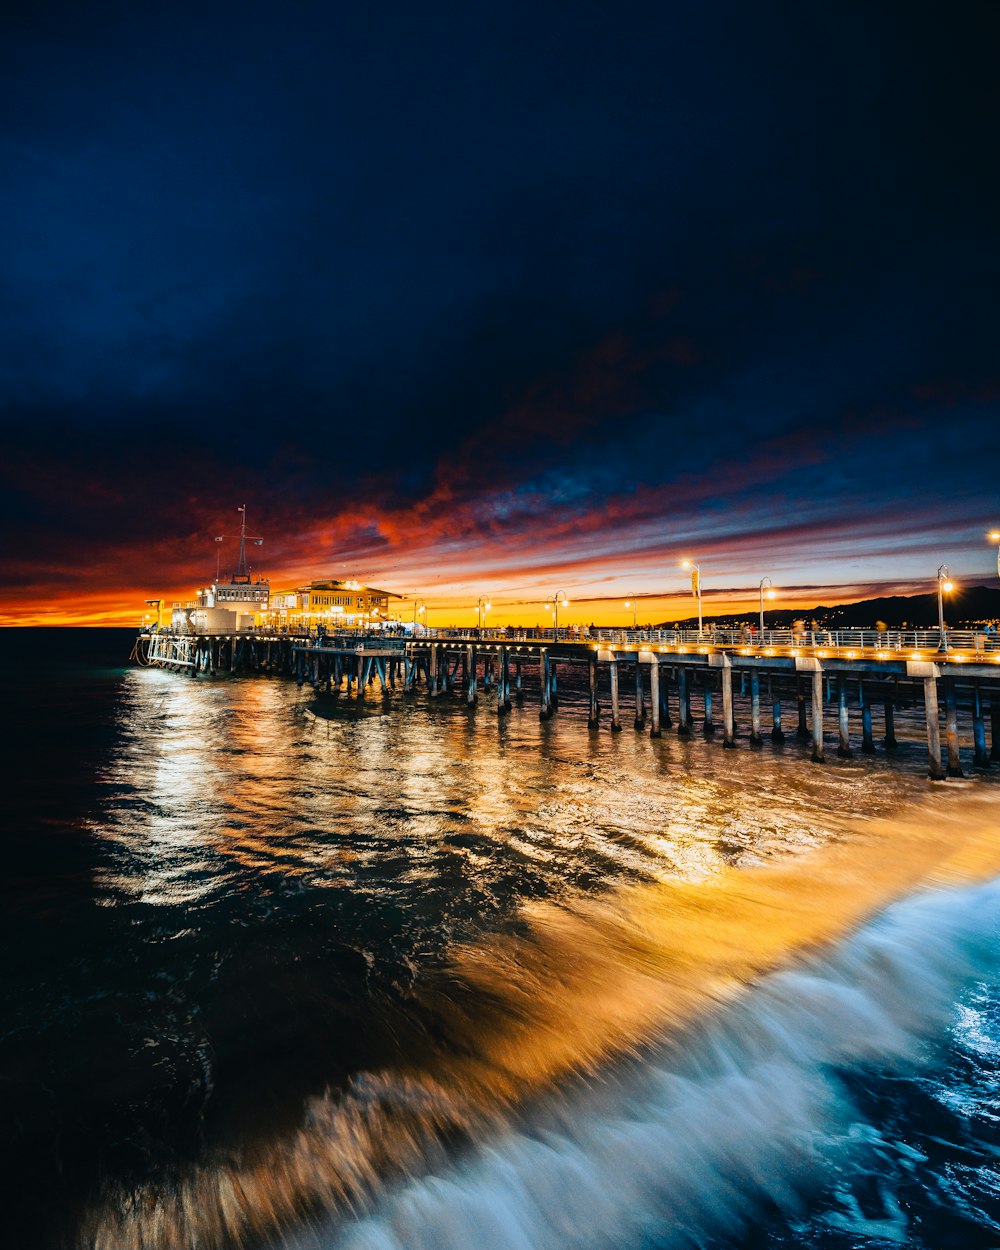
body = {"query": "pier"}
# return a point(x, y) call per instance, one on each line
point(801, 684)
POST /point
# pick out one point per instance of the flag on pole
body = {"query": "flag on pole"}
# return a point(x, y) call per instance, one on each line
point(694, 581)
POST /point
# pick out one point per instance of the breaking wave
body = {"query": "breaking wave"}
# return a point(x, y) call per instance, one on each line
point(747, 1117)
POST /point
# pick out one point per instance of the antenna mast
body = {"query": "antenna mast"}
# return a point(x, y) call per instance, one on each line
point(242, 573)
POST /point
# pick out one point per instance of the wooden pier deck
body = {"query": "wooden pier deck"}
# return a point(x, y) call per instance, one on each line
point(665, 676)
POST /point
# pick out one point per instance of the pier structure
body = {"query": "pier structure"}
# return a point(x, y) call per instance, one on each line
point(673, 675)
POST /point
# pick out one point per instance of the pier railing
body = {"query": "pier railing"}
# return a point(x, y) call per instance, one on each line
point(837, 641)
point(979, 642)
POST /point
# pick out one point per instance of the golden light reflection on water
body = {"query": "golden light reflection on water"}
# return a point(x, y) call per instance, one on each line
point(726, 893)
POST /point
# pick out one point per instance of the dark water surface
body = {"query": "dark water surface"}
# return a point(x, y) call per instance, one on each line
point(288, 970)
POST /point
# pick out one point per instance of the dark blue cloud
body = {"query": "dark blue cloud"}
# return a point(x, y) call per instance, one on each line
point(352, 251)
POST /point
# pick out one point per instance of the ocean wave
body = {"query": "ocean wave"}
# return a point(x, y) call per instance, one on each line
point(748, 1116)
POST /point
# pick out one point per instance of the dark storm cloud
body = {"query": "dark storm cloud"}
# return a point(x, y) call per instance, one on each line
point(493, 268)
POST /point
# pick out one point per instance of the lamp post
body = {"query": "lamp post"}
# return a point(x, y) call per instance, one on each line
point(419, 609)
point(945, 586)
point(695, 586)
point(632, 603)
point(995, 538)
point(765, 581)
point(483, 606)
point(557, 598)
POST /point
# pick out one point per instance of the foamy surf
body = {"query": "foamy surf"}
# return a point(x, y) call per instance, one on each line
point(749, 1115)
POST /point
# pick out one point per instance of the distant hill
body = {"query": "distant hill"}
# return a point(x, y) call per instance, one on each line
point(976, 605)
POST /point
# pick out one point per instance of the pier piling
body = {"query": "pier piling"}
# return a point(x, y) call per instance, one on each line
point(654, 698)
point(683, 703)
point(817, 715)
point(843, 723)
point(951, 729)
point(728, 719)
point(755, 738)
point(616, 724)
point(934, 768)
point(980, 756)
point(777, 735)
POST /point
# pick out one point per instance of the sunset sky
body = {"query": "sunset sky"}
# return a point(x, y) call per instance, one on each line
point(498, 299)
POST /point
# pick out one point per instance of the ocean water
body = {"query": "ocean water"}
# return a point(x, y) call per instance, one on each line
point(283, 970)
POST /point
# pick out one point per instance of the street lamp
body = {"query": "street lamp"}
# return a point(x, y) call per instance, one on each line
point(483, 606)
point(632, 603)
point(995, 538)
point(557, 598)
point(695, 586)
point(945, 586)
point(419, 609)
point(765, 581)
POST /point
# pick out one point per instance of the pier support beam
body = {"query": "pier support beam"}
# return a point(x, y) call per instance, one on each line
point(471, 693)
point(728, 719)
point(755, 738)
point(616, 725)
point(867, 742)
point(777, 734)
point(665, 721)
point(593, 715)
point(980, 756)
point(890, 723)
point(994, 725)
point(654, 698)
point(545, 704)
point(640, 700)
point(951, 728)
point(683, 703)
point(934, 768)
point(503, 681)
point(817, 716)
point(802, 732)
point(843, 723)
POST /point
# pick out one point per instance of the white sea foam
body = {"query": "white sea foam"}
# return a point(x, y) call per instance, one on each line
point(692, 1141)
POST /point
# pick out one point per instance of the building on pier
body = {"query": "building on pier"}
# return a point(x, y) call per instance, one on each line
point(330, 603)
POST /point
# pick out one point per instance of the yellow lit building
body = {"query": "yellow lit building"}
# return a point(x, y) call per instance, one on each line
point(334, 604)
